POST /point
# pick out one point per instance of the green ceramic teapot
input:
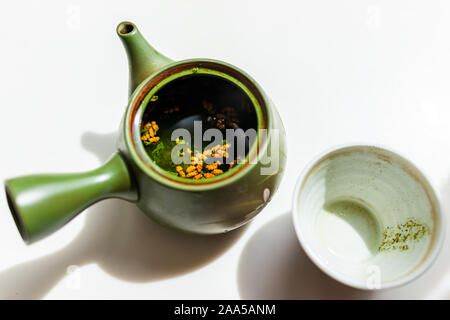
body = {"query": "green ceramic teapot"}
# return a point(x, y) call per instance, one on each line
point(41, 204)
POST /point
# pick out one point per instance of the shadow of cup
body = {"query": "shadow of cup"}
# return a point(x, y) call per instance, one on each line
point(121, 240)
point(274, 266)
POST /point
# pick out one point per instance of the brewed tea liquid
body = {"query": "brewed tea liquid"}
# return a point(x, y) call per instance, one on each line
point(216, 102)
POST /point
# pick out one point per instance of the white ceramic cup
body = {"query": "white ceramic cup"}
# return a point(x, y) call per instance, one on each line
point(367, 216)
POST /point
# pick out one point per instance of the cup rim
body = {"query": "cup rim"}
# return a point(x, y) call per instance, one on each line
point(425, 265)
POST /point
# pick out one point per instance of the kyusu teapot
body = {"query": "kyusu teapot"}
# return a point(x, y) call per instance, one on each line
point(43, 203)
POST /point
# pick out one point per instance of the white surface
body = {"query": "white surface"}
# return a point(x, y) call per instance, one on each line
point(339, 71)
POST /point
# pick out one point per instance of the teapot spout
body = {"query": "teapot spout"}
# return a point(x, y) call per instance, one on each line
point(143, 59)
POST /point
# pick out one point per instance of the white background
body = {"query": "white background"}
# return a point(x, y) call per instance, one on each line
point(338, 71)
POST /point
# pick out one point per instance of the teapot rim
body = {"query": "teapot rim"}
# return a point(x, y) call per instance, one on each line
point(171, 72)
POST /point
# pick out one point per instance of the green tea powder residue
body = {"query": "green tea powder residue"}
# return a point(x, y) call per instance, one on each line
point(401, 236)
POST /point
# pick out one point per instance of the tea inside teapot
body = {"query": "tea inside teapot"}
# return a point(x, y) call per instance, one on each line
point(210, 103)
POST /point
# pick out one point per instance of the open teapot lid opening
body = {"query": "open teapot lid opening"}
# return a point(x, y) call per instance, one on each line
point(198, 126)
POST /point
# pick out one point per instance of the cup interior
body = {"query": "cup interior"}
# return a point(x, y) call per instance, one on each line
point(367, 217)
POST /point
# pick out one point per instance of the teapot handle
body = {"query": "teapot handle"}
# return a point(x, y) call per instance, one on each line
point(41, 204)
